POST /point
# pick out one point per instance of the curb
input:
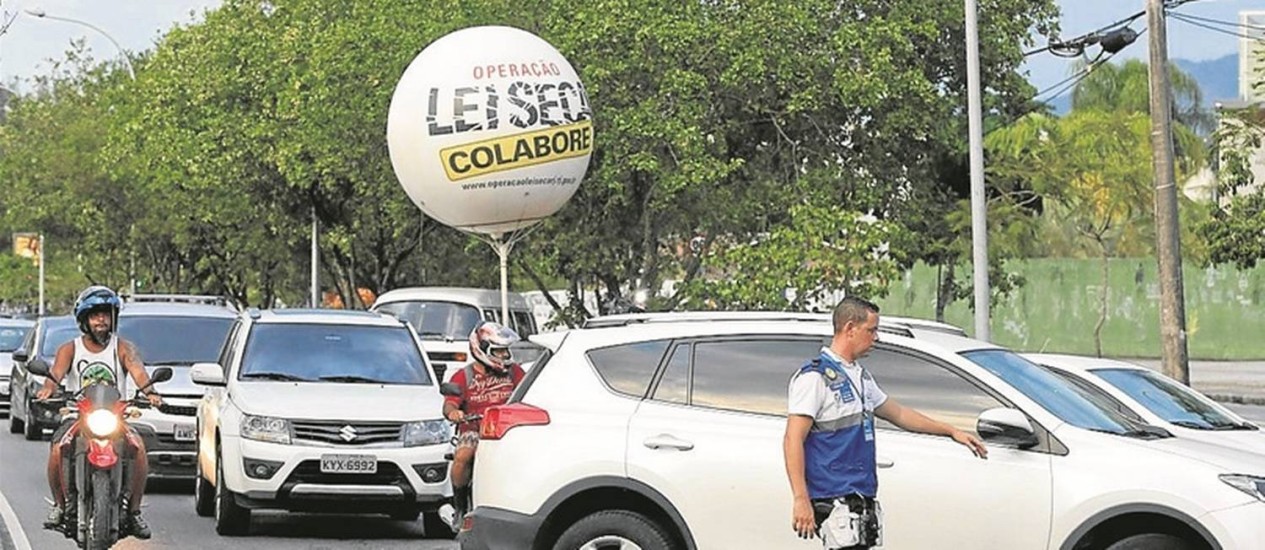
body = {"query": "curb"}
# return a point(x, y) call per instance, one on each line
point(1238, 399)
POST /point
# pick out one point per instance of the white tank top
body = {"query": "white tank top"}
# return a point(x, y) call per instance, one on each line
point(88, 367)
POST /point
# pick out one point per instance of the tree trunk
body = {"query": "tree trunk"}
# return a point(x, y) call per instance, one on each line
point(1102, 301)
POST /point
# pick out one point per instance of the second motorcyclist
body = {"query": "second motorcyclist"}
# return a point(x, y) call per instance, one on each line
point(485, 382)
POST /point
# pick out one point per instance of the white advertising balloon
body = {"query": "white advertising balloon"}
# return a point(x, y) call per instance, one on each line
point(490, 130)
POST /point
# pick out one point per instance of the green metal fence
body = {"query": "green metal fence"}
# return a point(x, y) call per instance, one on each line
point(1058, 307)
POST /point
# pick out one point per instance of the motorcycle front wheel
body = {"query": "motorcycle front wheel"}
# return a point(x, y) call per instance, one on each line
point(101, 521)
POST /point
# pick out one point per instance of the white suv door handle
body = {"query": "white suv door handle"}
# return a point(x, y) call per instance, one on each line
point(885, 462)
point(667, 441)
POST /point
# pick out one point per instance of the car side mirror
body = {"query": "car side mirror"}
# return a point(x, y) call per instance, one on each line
point(207, 374)
point(449, 389)
point(37, 367)
point(1004, 426)
point(21, 356)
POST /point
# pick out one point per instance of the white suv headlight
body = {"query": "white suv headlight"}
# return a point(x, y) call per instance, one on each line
point(266, 428)
point(1252, 485)
point(426, 432)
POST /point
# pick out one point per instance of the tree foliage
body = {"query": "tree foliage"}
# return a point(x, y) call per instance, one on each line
point(718, 124)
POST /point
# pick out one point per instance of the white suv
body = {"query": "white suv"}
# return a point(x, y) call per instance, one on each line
point(666, 433)
point(1156, 399)
point(320, 410)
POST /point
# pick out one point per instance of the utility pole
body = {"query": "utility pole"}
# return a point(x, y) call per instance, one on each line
point(1167, 234)
point(979, 201)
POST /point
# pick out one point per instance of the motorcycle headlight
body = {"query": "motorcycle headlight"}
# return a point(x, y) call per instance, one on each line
point(427, 432)
point(266, 428)
point(1252, 485)
point(102, 422)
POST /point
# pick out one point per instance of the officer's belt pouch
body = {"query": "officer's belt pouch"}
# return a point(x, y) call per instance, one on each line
point(846, 527)
point(842, 527)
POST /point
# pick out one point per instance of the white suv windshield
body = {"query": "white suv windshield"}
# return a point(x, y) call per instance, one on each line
point(1169, 400)
point(333, 353)
point(436, 320)
point(1064, 400)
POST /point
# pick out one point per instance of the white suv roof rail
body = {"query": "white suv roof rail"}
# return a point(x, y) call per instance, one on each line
point(891, 325)
point(626, 319)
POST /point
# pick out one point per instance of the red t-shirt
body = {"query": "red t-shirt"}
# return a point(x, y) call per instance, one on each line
point(486, 390)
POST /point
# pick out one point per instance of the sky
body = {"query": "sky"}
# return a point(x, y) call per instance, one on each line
point(30, 42)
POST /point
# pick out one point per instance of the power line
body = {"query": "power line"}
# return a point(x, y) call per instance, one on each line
point(1220, 22)
point(1183, 19)
point(1076, 46)
point(1068, 83)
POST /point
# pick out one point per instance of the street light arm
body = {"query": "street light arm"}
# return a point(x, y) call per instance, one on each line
point(127, 62)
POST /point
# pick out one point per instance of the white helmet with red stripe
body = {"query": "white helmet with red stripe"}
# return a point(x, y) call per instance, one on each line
point(490, 344)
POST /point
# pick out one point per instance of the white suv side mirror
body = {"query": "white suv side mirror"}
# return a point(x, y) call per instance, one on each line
point(1005, 426)
point(207, 374)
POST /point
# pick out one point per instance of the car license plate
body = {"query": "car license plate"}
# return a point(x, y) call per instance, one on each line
point(349, 464)
point(185, 432)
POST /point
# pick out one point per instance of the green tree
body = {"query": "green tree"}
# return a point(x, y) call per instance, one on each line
point(1093, 168)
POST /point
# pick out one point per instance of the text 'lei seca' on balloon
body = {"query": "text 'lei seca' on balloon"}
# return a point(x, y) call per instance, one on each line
point(490, 130)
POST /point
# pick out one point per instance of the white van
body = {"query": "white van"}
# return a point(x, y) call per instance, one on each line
point(444, 317)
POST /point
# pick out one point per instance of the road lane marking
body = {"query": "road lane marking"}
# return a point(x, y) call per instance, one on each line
point(12, 524)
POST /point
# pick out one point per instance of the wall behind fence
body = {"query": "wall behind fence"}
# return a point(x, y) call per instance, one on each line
point(1058, 307)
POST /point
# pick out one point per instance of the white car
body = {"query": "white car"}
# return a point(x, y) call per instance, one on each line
point(444, 317)
point(666, 433)
point(1156, 399)
point(320, 410)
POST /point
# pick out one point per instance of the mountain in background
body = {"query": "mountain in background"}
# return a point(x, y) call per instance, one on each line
point(1218, 80)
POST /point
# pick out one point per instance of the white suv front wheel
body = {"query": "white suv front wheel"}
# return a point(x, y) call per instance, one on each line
point(614, 530)
point(230, 519)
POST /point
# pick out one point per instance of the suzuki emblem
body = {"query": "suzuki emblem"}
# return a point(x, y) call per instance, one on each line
point(348, 433)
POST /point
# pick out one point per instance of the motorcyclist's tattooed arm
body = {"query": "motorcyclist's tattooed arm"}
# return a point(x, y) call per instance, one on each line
point(131, 359)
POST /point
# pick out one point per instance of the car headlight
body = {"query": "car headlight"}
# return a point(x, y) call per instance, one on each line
point(427, 432)
point(102, 422)
point(1251, 485)
point(266, 428)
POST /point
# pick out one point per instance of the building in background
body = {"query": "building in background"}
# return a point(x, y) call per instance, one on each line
point(1251, 55)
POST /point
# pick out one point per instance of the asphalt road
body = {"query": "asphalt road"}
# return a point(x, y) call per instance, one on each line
point(168, 508)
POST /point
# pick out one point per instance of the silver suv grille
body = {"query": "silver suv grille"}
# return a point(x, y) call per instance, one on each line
point(347, 433)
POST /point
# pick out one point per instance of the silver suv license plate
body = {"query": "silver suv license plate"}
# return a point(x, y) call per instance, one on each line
point(349, 464)
point(184, 432)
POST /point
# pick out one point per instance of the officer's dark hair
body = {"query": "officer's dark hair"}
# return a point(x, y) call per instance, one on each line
point(852, 310)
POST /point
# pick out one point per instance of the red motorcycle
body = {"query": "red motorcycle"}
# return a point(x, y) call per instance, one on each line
point(96, 470)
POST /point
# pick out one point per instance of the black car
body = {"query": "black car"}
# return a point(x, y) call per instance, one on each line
point(41, 343)
point(12, 332)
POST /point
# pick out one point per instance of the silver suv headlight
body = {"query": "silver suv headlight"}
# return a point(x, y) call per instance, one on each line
point(266, 428)
point(426, 432)
point(1252, 485)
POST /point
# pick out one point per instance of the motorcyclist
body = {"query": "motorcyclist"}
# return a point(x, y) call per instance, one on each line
point(485, 382)
point(98, 356)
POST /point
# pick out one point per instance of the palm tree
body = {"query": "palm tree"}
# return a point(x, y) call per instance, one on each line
point(1126, 87)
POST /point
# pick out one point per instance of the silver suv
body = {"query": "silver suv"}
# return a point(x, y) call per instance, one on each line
point(174, 330)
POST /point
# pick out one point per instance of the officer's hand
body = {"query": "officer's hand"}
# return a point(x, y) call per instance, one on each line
point(457, 415)
point(971, 442)
point(44, 393)
point(802, 518)
point(154, 399)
